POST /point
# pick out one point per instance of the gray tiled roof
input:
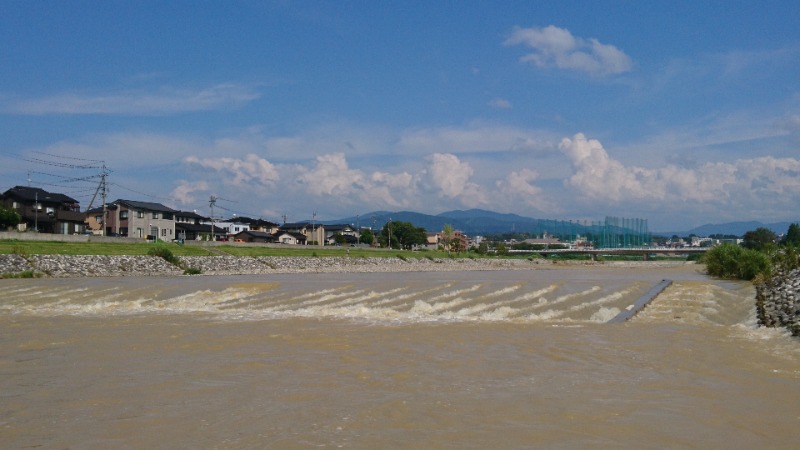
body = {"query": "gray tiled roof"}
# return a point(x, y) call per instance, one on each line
point(32, 194)
point(148, 206)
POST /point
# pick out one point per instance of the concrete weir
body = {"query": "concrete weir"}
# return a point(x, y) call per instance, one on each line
point(631, 310)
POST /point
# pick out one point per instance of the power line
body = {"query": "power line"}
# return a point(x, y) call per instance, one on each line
point(67, 179)
point(60, 164)
point(142, 193)
point(69, 157)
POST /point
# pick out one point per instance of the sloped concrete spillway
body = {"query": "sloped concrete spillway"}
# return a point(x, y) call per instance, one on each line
point(631, 310)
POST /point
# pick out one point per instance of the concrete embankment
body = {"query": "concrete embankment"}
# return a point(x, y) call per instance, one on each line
point(778, 302)
point(94, 266)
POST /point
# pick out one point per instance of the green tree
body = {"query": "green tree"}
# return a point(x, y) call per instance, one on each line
point(792, 236)
point(483, 248)
point(367, 237)
point(759, 239)
point(447, 237)
point(402, 235)
point(501, 249)
point(9, 217)
point(457, 245)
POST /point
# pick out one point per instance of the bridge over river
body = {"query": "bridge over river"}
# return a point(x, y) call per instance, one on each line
point(645, 252)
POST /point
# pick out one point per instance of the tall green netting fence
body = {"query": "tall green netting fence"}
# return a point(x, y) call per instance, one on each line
point(613, 232)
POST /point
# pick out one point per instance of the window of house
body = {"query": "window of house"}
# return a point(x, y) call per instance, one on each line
point(140, 214)
point(139, 232)
point(123, 214)
point(14, 205)
point(155, 215)
point(163, 231)
point(50, 210)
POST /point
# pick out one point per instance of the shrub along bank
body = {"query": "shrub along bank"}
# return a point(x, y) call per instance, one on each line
point(773, 267)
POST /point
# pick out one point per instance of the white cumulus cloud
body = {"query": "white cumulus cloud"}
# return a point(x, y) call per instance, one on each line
point(519, 186)
point(388, 189)
point(250, 169)
point(765, 183)
point(451, 177)
point(557, 47)
point(331, 176)
point(186, 191)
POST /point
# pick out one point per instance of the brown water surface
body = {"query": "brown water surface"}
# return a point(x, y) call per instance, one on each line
point(507, 359)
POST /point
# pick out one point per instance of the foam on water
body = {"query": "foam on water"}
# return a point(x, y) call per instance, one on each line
point(376, 299)
point(446, 302)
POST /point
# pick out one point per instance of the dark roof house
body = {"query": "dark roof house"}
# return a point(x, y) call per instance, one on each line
point(46, 212)
point(132, 218)
point(254, 236)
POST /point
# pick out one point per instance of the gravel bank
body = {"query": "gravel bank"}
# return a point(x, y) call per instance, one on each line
point(108, 266)
point(778, 302)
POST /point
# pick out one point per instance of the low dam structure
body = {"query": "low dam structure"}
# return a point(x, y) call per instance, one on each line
point(631, 310)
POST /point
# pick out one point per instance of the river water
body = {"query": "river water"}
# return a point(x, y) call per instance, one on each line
point(482, 359)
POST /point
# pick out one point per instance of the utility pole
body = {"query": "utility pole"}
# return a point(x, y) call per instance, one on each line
point(104, 193)
point(211, 202)
point(313, 224)
point(101, 188)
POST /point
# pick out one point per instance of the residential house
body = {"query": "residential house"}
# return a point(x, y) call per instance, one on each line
point(94, 220)
point(458, 240)
point(253, 236)
point(349, 234)
point(130, 218)
point(289, 237)
point(432, 240)
point(232, 227)
point(259, 224)
point(228, 227)
point(190, 226)
point(45, 212)
point(314, 233)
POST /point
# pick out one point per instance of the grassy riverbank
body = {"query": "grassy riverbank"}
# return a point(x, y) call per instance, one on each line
point(8, 247)
point(24, 247)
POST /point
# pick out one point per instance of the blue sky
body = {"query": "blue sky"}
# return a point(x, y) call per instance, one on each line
point(683, 113)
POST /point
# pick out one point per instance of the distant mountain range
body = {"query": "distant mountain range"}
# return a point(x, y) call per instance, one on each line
point(472, 222)
point(731, 228)
point(475, 222)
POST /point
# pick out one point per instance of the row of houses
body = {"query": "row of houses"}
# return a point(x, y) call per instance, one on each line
point(47, 212)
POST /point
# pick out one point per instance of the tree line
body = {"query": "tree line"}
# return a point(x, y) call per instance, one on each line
point(760, 255)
